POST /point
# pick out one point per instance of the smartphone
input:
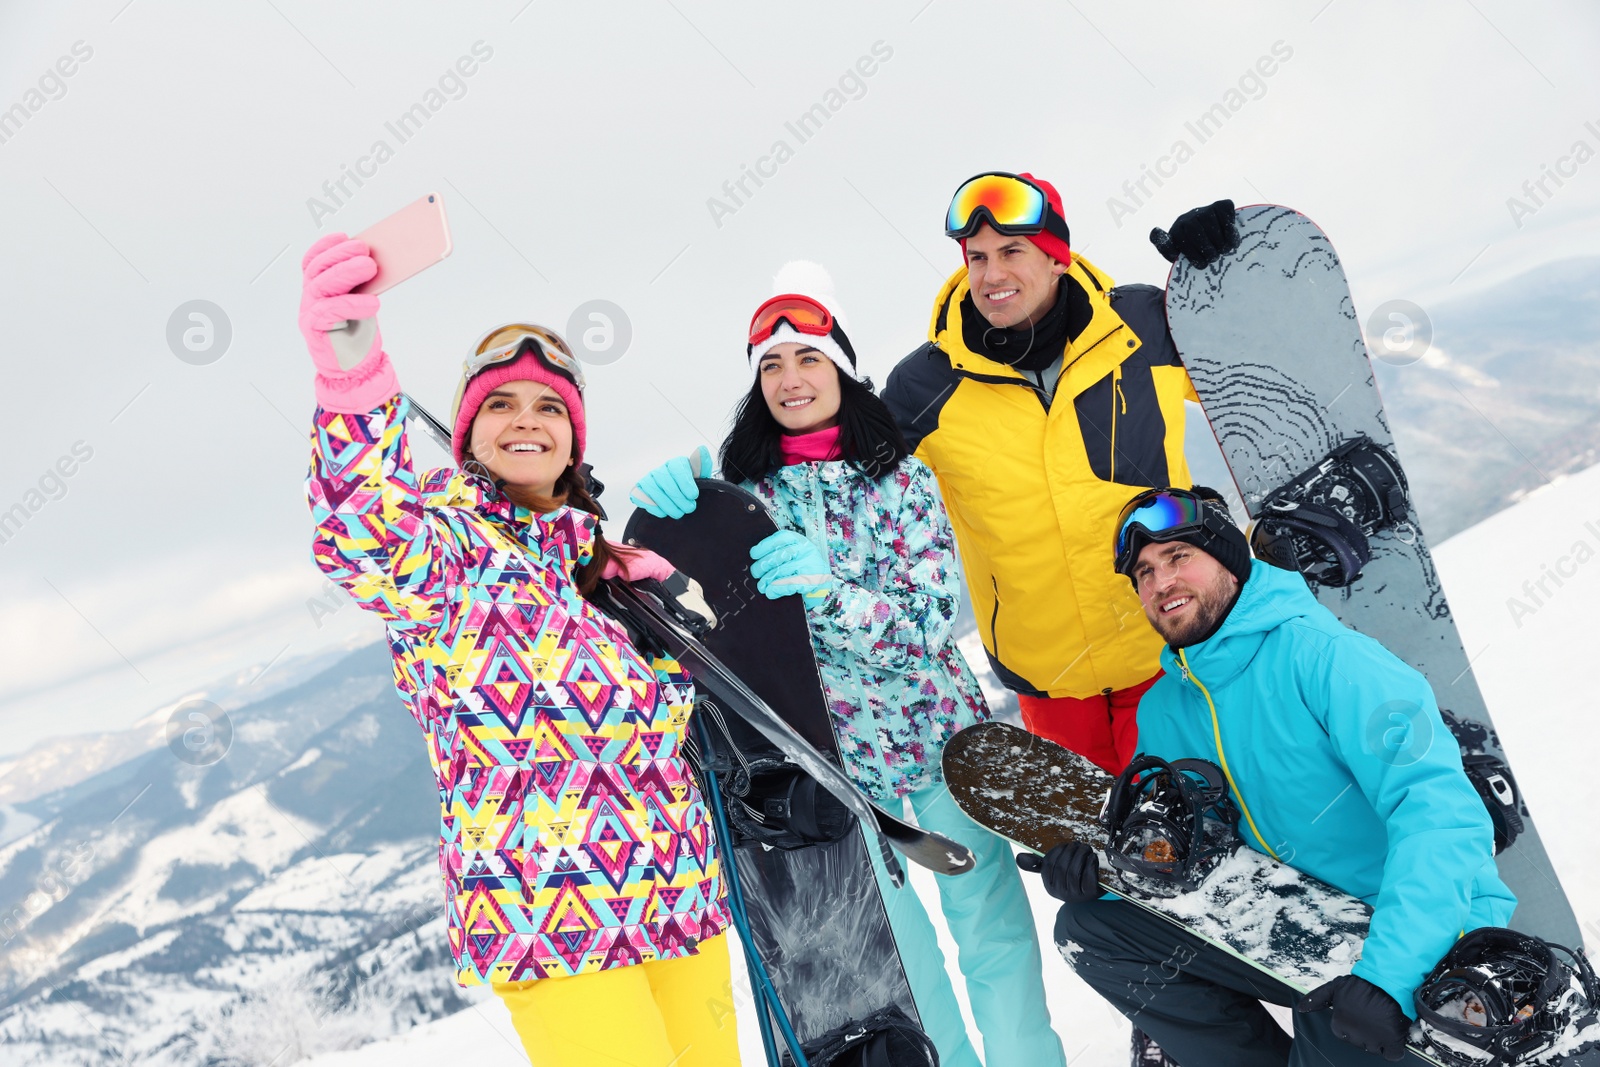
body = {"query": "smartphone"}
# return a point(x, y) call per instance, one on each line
point(406, 243)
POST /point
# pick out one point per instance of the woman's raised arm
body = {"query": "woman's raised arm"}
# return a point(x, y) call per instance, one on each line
point(372, 535)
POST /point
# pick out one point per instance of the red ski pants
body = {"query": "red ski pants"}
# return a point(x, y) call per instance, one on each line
point(1104, 728)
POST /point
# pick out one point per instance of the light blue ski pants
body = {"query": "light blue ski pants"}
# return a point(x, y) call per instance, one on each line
point(997, 946)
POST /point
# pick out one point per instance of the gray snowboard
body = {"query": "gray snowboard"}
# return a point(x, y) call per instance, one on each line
point(1270, 338)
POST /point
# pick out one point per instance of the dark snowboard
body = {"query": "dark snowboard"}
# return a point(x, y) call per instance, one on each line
point(1270, 338)
point(1283, 922)
point(817, 916)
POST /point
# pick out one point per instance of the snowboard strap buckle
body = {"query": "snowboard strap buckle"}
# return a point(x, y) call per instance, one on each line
point(1320, 523)
point(1169, 824)
point(1500, 997)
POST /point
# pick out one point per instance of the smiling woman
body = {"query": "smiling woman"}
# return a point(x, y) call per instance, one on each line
point(532, 702)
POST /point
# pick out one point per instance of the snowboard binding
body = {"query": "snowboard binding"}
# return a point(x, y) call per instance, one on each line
point(1169, 824)
point(1500, 998)
point(1321, 522)
point(781, 806)
point(885, 1038)
point(1491, 778)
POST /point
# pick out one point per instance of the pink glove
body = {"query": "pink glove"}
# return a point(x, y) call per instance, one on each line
point(641, 563)
point(331, 268)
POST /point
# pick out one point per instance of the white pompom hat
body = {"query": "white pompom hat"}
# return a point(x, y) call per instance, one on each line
point(802, 277)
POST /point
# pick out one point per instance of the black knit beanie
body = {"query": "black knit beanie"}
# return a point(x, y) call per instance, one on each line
point(1222, 540)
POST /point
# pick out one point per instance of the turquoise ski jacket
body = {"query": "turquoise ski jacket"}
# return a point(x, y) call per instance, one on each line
point(897, 686)
point(1335, 750)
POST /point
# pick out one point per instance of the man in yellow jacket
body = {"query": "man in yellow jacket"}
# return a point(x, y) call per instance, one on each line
point(1043, 397)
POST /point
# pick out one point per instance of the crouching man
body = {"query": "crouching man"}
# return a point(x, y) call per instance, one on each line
point(1339, 764)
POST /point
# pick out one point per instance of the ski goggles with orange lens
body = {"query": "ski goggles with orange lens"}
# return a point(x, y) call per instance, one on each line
point(803, 314)
point(504, 344)
point(1012, 205)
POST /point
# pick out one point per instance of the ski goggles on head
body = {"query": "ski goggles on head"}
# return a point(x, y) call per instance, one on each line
point(803, 315)
point(503, 344)
point(506, 343)
point(1161, 515)
point(1010, 204)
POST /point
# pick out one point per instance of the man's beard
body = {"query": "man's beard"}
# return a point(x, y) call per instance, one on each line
point(1211, 605)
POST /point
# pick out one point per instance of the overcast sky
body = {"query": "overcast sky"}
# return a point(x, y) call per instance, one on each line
point(185, 156)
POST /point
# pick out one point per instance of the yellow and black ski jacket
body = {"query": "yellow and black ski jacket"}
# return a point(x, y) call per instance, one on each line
point(1033, 482)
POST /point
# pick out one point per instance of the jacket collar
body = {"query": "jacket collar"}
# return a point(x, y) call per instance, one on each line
point(944, 329)
point(1269, 599)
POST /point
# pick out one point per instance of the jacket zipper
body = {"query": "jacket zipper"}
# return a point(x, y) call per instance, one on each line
point(994, 619)
point(1119, 405)
point(1216, 731)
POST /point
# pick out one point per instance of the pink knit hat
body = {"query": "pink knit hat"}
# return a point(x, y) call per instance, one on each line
point(526, 367)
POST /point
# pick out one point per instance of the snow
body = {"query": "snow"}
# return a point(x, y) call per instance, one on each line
point(1532, 650)
point(310, 756)
point(343, 881)
point(115, 961)
point(485, 1029)
point(245, 826)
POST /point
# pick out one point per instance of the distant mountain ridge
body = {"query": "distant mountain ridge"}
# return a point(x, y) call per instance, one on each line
point(1509, 397)
point(236, 913)
point(1506, 396)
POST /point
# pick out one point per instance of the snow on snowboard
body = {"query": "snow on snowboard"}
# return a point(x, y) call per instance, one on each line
point(1270, 338)
point(1279, 920)
point(816, 916)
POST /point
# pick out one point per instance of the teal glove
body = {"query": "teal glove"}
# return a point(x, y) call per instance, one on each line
point(669, 492)
point(787, 563)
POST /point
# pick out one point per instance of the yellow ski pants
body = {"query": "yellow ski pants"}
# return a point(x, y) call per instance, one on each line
point(668, 1013)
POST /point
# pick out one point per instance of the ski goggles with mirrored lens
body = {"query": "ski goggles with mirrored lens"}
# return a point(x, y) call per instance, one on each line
point(803, 314)
point(1160, 514)
point(1010, 204)
point(503, 344)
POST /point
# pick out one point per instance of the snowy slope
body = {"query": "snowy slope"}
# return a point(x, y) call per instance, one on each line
point(1533, 650)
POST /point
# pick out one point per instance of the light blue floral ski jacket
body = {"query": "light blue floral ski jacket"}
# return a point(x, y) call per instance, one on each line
point(897, 686)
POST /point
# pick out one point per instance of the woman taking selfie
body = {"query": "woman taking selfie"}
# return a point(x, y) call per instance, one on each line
point(864, 540)
point(582, 878)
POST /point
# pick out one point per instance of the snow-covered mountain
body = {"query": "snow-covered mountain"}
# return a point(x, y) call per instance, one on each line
point(280, 902)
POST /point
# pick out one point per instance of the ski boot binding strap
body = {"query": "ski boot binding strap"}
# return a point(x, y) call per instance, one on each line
point(1169, 824)
point(1500, 998)
point(886, 1038)
point(1320, 522)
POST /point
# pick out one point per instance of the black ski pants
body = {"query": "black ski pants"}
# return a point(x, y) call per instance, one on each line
point(1200, 1004)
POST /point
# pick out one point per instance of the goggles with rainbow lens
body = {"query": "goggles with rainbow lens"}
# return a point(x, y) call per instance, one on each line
point(1010, 204)
point(1160, 515)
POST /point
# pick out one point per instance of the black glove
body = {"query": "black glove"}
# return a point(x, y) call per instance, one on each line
point(1199, 236)
point(1071, 872)
point(1363, 1015)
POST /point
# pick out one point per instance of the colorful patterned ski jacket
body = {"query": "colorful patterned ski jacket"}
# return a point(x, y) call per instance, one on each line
point(897, 685)
point(573, 838)
point(1337, 751)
